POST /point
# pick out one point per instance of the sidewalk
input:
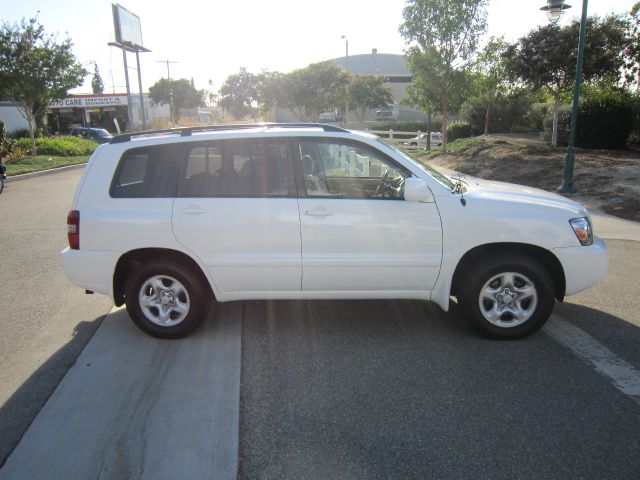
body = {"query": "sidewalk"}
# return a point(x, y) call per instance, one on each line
point(133, 406)
point(614, 228)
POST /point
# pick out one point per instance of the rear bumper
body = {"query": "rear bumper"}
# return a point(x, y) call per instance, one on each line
point(583, 266)
point(91, 270)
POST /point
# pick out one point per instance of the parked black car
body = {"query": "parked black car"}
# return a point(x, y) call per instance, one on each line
point(99, 135)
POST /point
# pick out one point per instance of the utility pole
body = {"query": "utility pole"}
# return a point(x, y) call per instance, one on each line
point(170, 86)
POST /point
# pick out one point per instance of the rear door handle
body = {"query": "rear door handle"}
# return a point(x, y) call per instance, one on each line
point(318, 212)
point(193, 210)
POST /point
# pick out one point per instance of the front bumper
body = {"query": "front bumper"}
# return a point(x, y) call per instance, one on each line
point(583, 266)
point(91, 270)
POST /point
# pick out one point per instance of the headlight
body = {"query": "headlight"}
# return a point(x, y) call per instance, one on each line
point(582, 228)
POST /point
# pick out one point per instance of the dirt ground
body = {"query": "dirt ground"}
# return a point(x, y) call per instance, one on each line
point(606, 180)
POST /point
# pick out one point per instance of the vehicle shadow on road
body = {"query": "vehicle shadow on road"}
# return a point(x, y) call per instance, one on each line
point(23, 406)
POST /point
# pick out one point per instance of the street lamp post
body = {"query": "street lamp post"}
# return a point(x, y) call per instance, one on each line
point(346, 106)
point(554, 9)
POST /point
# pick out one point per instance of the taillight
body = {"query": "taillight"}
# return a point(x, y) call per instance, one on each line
point(73, 229)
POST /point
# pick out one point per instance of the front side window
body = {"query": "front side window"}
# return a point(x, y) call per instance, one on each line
point(348, 170)
point(237, 168)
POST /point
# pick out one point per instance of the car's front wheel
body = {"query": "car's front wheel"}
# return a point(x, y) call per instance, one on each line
point(167, 300)
point(507, 296)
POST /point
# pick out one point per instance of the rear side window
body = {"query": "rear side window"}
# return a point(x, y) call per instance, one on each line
point(148, 172)
point(238, 168)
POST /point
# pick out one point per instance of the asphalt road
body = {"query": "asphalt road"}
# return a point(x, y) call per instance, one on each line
point(45, 321)
point(400, 390)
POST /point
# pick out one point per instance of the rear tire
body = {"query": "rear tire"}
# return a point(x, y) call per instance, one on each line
point(506, 296)
point(167, 300)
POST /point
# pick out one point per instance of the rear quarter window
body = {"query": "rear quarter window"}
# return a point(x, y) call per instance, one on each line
point(147, 172)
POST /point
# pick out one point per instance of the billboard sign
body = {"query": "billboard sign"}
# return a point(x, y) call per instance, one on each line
point(127, 26)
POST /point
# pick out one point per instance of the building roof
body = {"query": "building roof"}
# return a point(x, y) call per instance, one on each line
point(386, 64)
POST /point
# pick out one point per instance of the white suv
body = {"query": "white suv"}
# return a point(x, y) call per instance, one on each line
point(170, 221)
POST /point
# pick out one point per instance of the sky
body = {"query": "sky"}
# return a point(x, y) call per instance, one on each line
point(212, 39)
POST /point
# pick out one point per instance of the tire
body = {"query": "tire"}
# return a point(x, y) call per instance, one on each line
point(1, 184)
point(167, 300)
point(507, 297)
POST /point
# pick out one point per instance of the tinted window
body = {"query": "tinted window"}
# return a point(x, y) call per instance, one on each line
point(348, 170)
point(237, 168)
point(148, 172)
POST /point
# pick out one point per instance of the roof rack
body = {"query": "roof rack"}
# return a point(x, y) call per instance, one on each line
point(187, 131)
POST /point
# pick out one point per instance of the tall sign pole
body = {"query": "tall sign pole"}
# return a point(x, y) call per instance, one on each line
point(126, 79)
point(128, 35)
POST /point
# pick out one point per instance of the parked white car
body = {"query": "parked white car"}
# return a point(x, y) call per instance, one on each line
point(421, 140)
point(170, 221)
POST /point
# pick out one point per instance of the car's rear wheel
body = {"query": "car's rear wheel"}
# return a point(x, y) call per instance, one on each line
point(167, 300)
point(507, 296)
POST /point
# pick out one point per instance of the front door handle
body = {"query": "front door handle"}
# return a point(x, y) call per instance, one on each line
point(193, 210)
point(318, 212)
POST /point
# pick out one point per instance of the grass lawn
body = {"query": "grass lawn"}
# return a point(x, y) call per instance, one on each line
point(41, 162)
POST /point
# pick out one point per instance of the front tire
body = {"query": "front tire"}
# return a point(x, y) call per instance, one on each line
point(507, 296)
point(167, 300)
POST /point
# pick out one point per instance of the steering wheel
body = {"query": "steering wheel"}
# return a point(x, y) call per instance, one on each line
point(382, 186)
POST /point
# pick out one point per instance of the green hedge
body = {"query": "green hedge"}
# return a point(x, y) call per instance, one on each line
point(605, 120)
point(60, 146)
point(458, 130)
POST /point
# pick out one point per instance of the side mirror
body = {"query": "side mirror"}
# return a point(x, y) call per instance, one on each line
point(416, 190)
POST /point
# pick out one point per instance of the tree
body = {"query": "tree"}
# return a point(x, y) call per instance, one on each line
point(367, 92)
point(35, 69)
point(97, 84)
point(632, 50)
point(239, 94)
point(490, 76)
point(443, 34)
point(314, 89)
point(270, 91)
point(178, 94)
point(545, 58)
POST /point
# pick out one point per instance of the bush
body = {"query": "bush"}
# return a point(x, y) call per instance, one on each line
point(605, 120)
point(60, 146)
point(510, 113)
point(537, 114)
point(24, 133)
point(8, 147)
point(458, 130)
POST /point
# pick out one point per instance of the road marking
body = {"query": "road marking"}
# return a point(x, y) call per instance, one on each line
point(624, 376)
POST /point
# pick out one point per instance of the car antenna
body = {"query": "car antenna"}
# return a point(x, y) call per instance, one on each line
point(459, 189)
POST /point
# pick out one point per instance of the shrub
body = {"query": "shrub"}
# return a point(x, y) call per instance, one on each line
point(24, 133)
point(509, 113)
point(605, 120)
point(60, 146)
point(8, 147)
point(537, 114)
point(458, 130)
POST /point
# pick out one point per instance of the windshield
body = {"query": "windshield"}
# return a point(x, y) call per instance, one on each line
point(102, 133)
point(442, 179)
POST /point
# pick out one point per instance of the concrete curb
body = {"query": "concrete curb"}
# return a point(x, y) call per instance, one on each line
point(26, 176)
